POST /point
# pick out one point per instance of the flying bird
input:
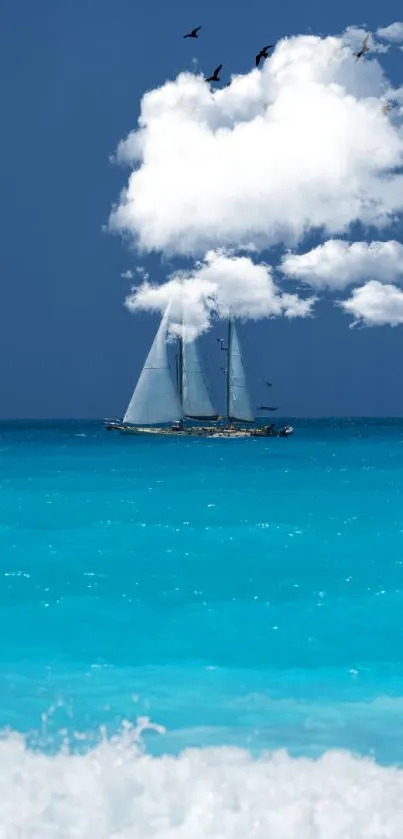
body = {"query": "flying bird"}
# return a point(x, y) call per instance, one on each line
point(263, 53)
point(363, 50)
point(215, 77)
point(193, 33)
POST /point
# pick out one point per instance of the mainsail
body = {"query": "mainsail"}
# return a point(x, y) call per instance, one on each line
point(238, 399)
point(155, 399)
point(196, 400)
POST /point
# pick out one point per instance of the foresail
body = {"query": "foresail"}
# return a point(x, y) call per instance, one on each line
point(239, 400)
point(196, 399)
point(155, 399)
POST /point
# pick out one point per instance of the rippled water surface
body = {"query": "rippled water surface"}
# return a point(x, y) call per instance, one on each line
point(244, 595)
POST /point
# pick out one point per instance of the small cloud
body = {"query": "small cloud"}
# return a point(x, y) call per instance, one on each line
point(375, 304)
point(393, 32)
point(142, 274)
point(336, 263)
point(217, 284)
point(397, 93)
point(139, 273)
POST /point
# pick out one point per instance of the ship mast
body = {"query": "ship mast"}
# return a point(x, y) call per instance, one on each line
point(180, 368)
point(229, 341)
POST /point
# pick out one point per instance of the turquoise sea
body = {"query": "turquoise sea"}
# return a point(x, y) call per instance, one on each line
point(201, 638)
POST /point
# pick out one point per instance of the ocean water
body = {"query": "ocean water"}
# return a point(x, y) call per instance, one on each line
point(201, 638)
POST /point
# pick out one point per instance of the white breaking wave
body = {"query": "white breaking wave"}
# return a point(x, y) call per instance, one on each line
point(117, 791)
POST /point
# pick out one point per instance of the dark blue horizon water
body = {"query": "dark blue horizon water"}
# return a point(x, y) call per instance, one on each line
point(240, 593)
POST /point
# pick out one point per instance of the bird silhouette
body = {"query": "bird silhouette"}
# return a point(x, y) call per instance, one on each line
point(193, 33)
point(215, 77)
point(263, 53)
point(363, 50)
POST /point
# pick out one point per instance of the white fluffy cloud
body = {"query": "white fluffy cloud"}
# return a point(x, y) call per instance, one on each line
point(218, 284)
point(393, 32)
point(375, 304)
point(337, 264)
point(300, 144)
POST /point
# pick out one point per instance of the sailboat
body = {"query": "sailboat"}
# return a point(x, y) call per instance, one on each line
point(159, 405)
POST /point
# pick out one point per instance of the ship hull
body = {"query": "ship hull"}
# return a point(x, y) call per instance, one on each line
point(176, 432)
point(197, 431)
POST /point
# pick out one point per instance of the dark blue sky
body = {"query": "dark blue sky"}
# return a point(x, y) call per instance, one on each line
point(71, 78)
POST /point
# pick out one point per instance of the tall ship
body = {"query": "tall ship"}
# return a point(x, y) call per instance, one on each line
point(181, 405)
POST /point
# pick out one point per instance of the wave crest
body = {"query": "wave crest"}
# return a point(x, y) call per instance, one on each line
point(117, 791)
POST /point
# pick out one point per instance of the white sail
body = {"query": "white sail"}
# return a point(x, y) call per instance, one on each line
point(239, 403)
point(155, 399)
point(196, 401)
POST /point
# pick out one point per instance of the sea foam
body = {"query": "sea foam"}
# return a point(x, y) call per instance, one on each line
point(117, 791)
